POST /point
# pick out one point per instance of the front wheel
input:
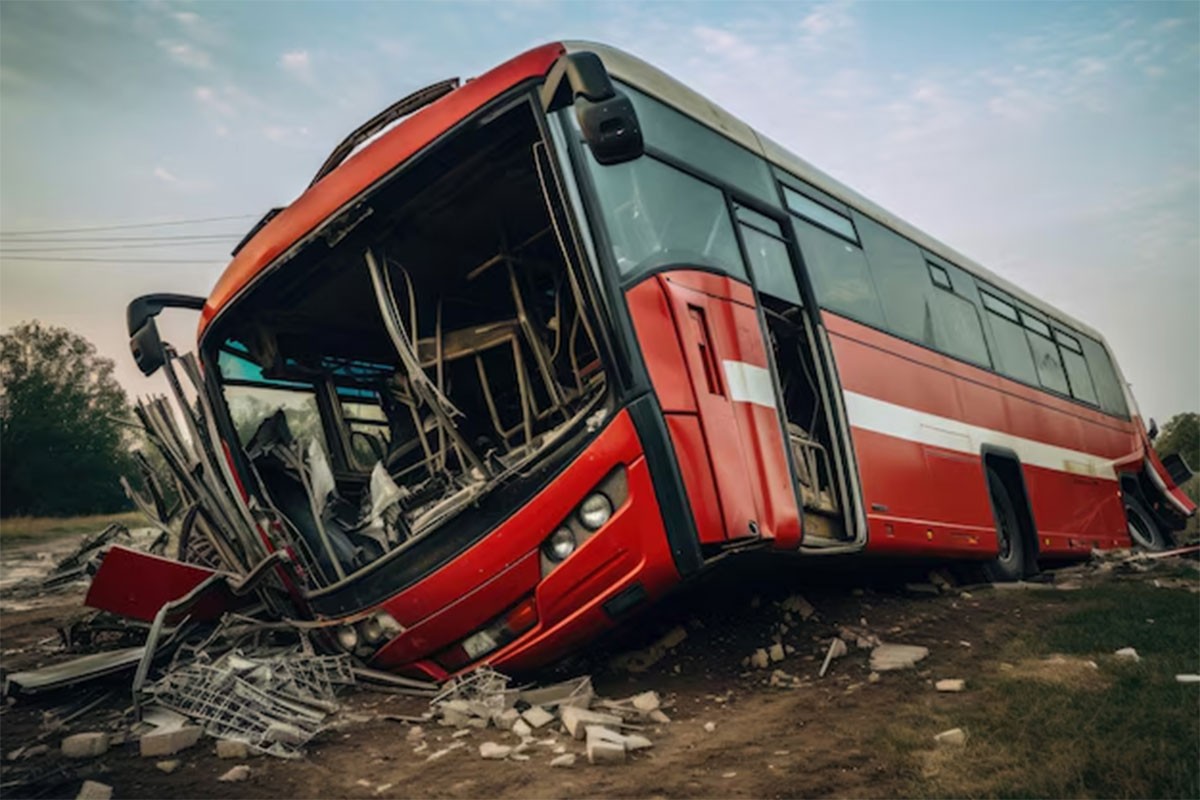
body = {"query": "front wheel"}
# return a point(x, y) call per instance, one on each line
point(1009, 564)
point(1143, 529)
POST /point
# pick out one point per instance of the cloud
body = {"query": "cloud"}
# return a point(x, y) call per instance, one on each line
point(164, 175)
point(722, 43)
point(826, 21)
point(298, 63)
point(285, 134)
point(186, 54)
point(210, 99)
point(187, 18)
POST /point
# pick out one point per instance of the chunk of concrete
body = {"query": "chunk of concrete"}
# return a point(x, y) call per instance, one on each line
point(165, 743)
point(950, 685)
point(565, 760)
point(521, 728)
point(888, 657)
point(85, 745)
point(494, 751)
point(228, 748)
point(537, 717)
point(955, 737)
point(760, 659)
point(659, 716)
point(506, 719)
point(168, 766)
point(601, 749)
point(239, 773)
point(647, 702)
point(1128, 654)
point(776, 652)
point(673, 637)
point(709, 727)
point(94, 790)
point(799, 605)
point(1187, 678)
point(576, 720)
point(416, 733)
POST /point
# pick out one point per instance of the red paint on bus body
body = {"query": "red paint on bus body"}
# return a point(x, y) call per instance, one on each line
point(467, 593)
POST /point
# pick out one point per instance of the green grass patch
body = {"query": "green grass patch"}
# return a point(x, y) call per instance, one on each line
point(17, 529)
point(1067, 729)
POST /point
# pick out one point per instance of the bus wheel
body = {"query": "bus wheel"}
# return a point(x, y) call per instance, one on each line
point(1009, 565)
point(1143, 530)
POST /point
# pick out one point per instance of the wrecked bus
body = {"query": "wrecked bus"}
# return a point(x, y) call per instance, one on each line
point(532, 350)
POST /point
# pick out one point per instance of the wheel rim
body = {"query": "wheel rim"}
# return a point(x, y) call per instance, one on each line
point(1005, 536)
point(1138, 530)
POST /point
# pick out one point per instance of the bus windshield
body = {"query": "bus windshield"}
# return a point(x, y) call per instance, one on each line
point(392, 375)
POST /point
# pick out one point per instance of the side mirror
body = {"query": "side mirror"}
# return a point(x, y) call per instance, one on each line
point(606, 116)
point(147, 347)
point(144, 341)
point(1152, 431)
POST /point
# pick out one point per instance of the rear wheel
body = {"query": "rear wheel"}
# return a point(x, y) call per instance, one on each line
point(1009, 564)
point(1143, 529)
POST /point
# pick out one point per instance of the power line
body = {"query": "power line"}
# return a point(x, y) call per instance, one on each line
point(4, 249)
point(115, 260)
point(22, 240)
point(130, 226)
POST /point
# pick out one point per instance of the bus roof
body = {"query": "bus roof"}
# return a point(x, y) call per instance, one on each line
point(655, 82)
point(342, 187)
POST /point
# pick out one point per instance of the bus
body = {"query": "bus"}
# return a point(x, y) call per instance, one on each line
point(534, 349)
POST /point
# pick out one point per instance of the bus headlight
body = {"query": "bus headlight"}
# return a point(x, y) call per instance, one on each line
point(347, 638)
point(560, 544)
point(595, 511)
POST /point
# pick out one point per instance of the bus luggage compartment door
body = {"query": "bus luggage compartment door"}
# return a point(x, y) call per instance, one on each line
point(717, 330)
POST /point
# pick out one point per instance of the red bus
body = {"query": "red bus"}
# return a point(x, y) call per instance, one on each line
point(534, 349)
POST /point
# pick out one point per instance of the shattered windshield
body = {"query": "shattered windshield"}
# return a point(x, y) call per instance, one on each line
point(252, 399)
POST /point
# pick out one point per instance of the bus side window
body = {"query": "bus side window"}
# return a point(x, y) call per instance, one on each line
point(1108, 384)
point(767, 254)
point(1013, 355)
point(1045, 354)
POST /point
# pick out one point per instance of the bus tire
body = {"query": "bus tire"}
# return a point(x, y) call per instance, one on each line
point(1009, 565)
point(1143, 528)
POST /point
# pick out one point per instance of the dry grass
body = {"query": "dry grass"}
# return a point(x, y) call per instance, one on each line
point(14, 529)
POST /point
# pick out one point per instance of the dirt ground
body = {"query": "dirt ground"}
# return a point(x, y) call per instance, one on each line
point(819, 739)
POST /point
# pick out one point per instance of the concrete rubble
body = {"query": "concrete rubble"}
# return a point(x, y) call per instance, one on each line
point(85, 745)
point(887, 657)
point(1128, 654)
point(950, 685)
point(955, 737)
point(236, 774)
point(609, 729)
point(94, 790)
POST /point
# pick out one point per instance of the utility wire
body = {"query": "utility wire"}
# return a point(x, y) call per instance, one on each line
point(129, 226)
point(23, 240)
point(5, 249)
point(116, 260)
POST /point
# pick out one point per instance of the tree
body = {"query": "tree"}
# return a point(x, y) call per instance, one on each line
point(1181, 434)
point(62, 448)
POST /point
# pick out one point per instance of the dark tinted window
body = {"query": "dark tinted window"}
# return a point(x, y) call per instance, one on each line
point(839, 274)
point(1036, 325)
point(1046, 358)
point(657, 215)
point(1107, 383)
point(998, 306)
point(902, 280)
point(957, 329)
point(1012, 354)
point(939, 276)
point(1078, 375)
point(678, 134)
point(768, 257)
point(820, 214)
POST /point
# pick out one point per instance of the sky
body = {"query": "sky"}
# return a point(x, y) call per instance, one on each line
point(1056, 143)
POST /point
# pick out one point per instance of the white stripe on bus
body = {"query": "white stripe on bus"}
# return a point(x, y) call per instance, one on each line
point(749, 384)
point(873, 414)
